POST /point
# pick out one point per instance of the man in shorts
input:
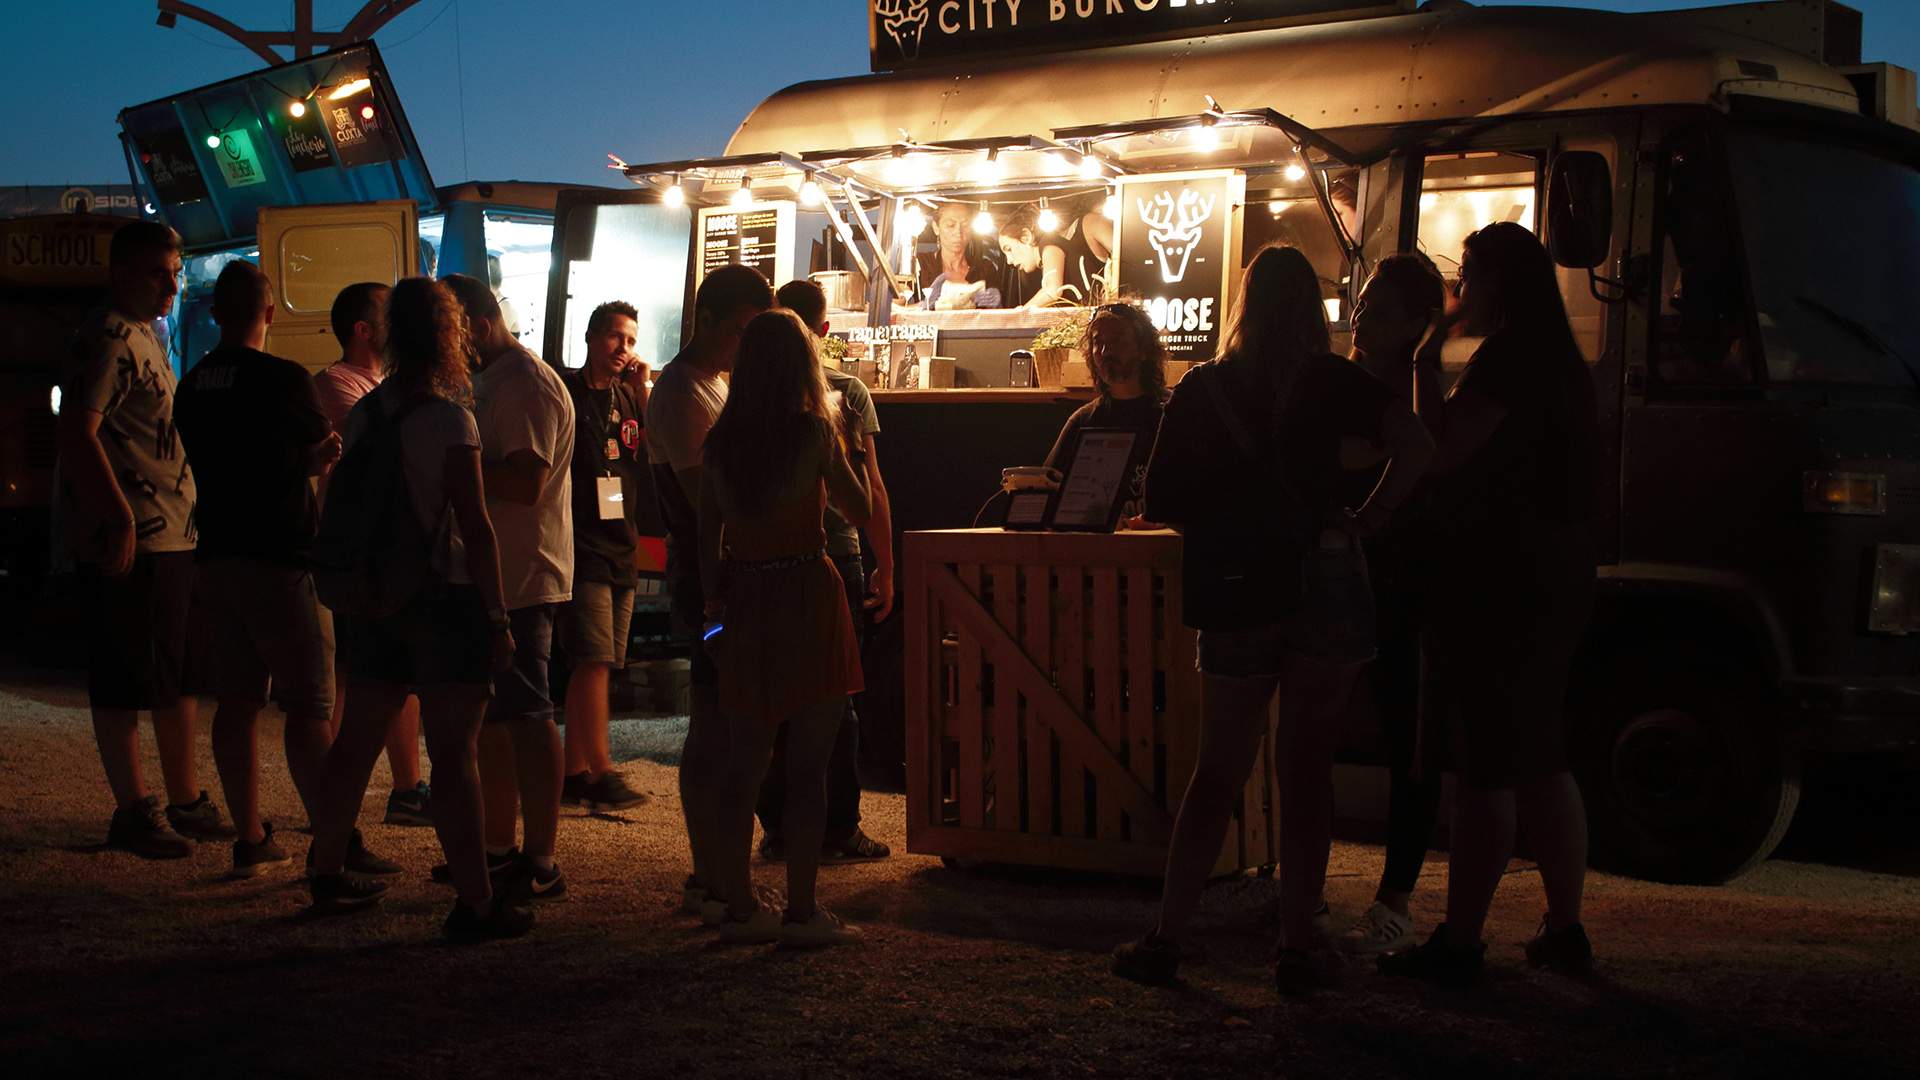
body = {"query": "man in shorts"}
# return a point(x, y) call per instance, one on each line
point(853, 407)
point(609, 463)
point(687, 397)
point(126, 503)
point(526, 450)
point(253, 424)
point(359, 321)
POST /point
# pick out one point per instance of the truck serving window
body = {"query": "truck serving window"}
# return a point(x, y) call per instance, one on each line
point(1830, 308)
point(1463, 192)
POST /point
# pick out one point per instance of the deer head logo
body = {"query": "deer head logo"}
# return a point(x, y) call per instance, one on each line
point(1174, 229)
point(905, 22)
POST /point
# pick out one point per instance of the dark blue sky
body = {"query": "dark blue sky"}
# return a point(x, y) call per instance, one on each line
point(549, 87)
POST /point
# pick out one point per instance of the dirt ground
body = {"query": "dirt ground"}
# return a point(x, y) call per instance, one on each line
point(1801, 968)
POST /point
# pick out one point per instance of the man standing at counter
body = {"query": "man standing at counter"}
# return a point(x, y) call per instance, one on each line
point(1129, 368)
point(853, 406)
point(687, 398)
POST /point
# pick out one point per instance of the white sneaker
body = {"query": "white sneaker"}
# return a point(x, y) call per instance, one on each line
point(713, 910)
point(760, 928)
point(824, 929)
point(1380, 930)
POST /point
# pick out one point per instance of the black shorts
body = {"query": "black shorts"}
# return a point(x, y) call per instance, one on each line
point(138, 643)
point(523, 691)
point(439, 638)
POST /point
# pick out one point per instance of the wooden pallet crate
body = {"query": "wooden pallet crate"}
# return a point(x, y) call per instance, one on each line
point(1052, 703)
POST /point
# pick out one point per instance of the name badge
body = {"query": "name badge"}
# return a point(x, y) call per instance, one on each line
point(612, 501)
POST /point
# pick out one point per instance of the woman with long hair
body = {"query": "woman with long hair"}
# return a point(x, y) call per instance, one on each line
point(1252, 464)
point(450, 636)
point(1129, 368)
point(778, 626)
point(1516, 474)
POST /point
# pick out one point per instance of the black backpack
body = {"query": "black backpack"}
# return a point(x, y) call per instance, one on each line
point(372, 554)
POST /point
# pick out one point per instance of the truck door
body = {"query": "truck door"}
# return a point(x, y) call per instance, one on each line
point(312, 252)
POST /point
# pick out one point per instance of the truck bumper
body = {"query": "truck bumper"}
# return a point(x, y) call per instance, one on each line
point(1847, 716)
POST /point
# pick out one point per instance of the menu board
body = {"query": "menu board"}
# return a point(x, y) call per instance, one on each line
point(170, 165)
point(759, 235)
point(1177, 237)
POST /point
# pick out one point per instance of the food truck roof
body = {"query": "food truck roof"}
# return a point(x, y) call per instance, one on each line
point(1442, 65)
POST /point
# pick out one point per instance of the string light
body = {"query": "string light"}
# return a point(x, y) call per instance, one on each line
point(213, 141)
point(297, 110)
point(743, 198)
point(1089, 167)
point(912, 223)
point(1111, 208)
point(1294, 173)
point(983, 222)
point(811, 195)
point(675, 196)
point(1047, 220)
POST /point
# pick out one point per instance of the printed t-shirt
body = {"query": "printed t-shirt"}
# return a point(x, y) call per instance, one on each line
point(426, 434)
point(249, 418)
point(852, 404)
point(1141, 415)
point(608, 442)
point(520, 404)
point(119, 369)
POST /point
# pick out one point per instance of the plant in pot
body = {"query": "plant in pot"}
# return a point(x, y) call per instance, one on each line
point(1058, 345)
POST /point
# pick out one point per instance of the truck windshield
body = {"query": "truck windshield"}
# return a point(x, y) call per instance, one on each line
point(1833, 240)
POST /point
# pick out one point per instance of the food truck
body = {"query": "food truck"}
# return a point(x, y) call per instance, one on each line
point(1730, 194)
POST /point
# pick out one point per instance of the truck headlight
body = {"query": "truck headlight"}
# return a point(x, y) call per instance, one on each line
point(1896, 590)
point(1843, 493)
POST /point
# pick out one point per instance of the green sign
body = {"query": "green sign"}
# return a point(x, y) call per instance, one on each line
point(238, 163)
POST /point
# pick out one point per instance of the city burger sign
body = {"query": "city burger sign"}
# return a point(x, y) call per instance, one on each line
point(901, 33)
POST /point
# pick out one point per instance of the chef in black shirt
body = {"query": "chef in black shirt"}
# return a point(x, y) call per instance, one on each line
point(1129, 368)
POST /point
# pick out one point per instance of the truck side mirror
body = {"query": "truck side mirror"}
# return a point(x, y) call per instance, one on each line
point(1580, 209)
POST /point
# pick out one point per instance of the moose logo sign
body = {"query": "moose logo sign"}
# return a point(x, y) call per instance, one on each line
point(905, 23)
point(1177, 243)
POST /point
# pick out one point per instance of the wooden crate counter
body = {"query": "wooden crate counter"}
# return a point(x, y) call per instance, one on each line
point(1052, 703)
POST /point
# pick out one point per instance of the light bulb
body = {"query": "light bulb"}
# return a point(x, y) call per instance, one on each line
point(1047, 220)
point(742, 198)
point(349, 88)
point(1089, 167)
point(1111, 209)
point(983, 223)
point(912, 223)
point(1205, 139)
point(811, 195)
point(1294, 173)
point(1056, 162)
point(991, 170)
point(366, 112)
point(675, 196)
point(298, 109)
point(213, 142)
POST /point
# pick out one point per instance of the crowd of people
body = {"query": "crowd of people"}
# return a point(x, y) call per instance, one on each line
point(1342, 518)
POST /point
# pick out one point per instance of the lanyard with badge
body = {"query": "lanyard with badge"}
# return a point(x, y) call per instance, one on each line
point(608, 494)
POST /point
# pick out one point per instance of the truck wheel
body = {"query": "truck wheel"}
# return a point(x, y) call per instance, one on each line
point(1685, 782)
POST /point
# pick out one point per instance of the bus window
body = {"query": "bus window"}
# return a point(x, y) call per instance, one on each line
point(1700, 334)
point(1462, 192)
point(633, 252)
point(519, 254)
point(1284, 210)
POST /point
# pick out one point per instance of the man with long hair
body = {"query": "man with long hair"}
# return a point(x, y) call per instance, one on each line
point(1129, 368)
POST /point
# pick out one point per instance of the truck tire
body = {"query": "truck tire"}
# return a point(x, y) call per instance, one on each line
point(1686, 779)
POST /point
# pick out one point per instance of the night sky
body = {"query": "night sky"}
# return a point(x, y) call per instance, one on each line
point(543, 98)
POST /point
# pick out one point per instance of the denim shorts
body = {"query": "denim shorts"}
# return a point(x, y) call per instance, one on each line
point(524, 690)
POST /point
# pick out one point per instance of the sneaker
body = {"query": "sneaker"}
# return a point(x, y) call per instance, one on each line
point(761, 927)
point(199, 820)
point(610, 792)
point(362, 861)
point(412, 807)
point(573, 789)
point(142, 829)
point(693, 896)
point(1436, 961)
point(497, 868)
point(856, 848)
point(1152, 960)
point(337, 894)
point(822, 930)
point(1380, 930)
point(250, 859)
point(773, 849)
point(502, 920)
point(523, 881)
point(1323, 919)
point(1565, 950)
point(1303, 971)
point(713, 910)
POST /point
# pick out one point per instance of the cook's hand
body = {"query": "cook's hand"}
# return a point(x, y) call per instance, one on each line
point(120, 548)
point(879, 602)
point(502, 655)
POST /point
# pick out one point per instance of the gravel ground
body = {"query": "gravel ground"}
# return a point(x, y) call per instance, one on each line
point(1798, 969)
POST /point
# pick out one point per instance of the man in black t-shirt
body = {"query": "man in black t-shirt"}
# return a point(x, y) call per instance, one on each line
point(609, 479)
point(1129, 369)
point(255, 434)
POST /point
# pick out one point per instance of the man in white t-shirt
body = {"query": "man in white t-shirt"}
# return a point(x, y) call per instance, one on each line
point(359, 323)
point(526, 426)
point(687, 397)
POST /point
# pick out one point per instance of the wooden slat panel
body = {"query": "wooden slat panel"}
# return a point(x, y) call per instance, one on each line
point(1108, 719)
point(1140, 667)
point(966, 723)
point(1182, 726)
point(923, 681)
point(1038, 641)
point(1069, 652)
point(1004, 718)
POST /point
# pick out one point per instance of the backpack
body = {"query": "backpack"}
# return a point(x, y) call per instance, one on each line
point(372, 554)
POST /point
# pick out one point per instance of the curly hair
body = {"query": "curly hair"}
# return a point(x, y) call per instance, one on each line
point(1153, 352)
point(777, 401)
point(429, 345)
